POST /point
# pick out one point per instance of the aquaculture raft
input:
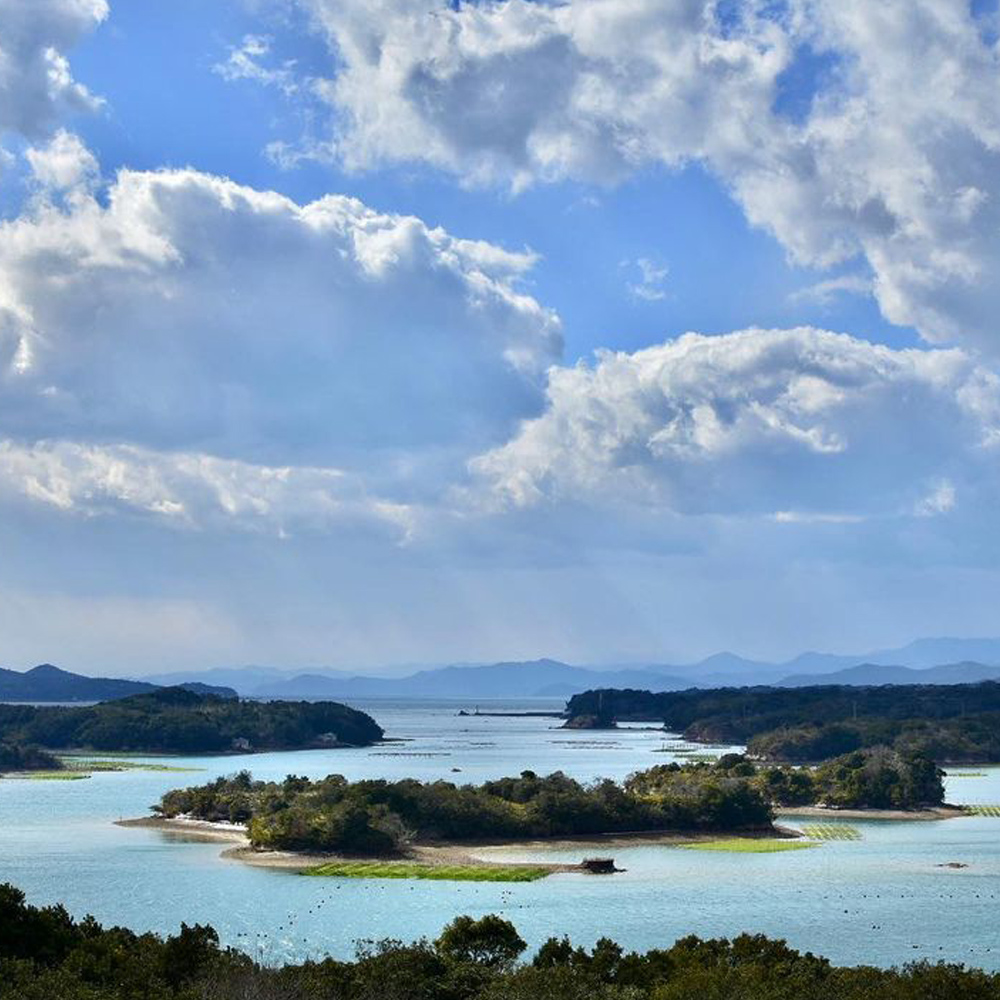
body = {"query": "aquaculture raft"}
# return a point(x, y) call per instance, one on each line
point(599, 866)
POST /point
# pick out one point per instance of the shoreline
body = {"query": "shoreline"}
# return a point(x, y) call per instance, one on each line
point(455, 853)
point(252, 752)
point(825, 812)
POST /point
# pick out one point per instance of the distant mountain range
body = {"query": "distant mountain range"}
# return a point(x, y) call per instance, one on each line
point(531, 679)
point(48, 683)
point(965, 660)
point(925, 661)
point(874, 674)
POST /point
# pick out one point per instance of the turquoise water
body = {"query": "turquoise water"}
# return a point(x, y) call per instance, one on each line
point(881, 900)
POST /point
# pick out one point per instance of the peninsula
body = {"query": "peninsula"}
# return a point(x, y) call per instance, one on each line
point(950, 723)
point(176, 721)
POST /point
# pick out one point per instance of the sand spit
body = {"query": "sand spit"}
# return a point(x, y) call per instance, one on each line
point(481, 854)
point(823, 812)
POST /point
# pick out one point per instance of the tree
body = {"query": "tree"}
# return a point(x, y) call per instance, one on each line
point(490, 941)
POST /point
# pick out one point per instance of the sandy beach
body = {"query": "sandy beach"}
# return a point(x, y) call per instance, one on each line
point(478, 853)
point(241, 849)
point(822, 812)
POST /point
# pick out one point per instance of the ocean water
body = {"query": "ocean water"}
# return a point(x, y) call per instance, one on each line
point(882, 900)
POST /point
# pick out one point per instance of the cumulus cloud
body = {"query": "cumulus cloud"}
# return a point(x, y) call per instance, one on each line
point(180, 310)
point(802, 425)
point(36, 83)
point(894, 154)
point(191, 490)
point(63, 164)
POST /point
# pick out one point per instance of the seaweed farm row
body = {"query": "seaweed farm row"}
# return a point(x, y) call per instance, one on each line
point(831, 831)
point(452, 873)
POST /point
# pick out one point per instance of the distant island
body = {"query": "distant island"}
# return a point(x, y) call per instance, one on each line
point(48, 683)
point(947, 723)
point(177, 721)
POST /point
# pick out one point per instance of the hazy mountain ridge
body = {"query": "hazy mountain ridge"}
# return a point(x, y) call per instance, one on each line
point(534, 678)
point(952, 661)
point(50, 683)
point(871, 674)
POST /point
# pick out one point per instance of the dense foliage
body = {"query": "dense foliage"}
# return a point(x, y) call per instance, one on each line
point(14, 757)
point(44, 954)
point(877, 778)
point(377, 817)
point(382, 817)
point(173, 720)
point(953, 722)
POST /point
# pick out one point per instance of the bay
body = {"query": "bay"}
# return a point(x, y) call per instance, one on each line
point(881, 900)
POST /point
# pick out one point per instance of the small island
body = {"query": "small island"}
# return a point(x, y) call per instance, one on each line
point(178, 721)
point(304, 824)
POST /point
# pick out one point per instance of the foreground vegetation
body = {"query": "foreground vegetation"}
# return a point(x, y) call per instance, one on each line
point(44, 955)
point(947, 722)
point(173, 720)
point(382, 818)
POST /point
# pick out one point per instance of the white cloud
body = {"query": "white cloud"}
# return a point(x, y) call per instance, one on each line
point(940, 499)
point(190, 490)
point(36, 84)
point(63, 163)
point(824, 292)
point(246, 62)
point(652, 277)
point(184, 311)
point(815, 517)
point(801, 425)
point(896, 156)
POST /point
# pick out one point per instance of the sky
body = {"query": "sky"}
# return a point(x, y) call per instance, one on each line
point(362, 334)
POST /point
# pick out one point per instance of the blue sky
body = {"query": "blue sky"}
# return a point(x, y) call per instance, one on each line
point(351, 334)
point(169, 106)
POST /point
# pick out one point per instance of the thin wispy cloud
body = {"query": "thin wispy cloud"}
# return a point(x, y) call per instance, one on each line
point(652, 280)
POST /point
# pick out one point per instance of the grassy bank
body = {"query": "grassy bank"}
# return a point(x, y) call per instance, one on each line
point(450, 873)
point(748, 845)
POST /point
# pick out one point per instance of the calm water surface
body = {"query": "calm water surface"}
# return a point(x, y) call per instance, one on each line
point(882, 900)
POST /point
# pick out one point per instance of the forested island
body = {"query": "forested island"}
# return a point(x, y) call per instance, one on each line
point(177, 721)
point(381, 818)
point(949, 723)
point(45, 953)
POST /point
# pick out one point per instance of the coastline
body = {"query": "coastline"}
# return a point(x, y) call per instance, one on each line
point(457, 853)
point(479, 853)
point(824, 812)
